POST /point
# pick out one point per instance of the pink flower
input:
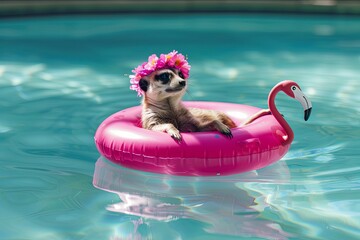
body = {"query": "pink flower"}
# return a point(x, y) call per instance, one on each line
point(172, 54)
point(152, 62)
point(164, 59)
point(185, 69)
point(177, 60)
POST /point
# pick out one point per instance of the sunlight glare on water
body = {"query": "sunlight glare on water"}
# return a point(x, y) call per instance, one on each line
point(60, 77)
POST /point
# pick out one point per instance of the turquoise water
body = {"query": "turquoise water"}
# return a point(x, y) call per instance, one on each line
point(61, 76)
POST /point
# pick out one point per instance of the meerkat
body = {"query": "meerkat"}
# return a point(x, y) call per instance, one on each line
point(163, 110)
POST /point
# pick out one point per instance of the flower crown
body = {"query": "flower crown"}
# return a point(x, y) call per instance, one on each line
point(170, 60)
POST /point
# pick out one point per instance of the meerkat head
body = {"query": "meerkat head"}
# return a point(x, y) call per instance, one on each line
point(164, 83)
point(161, 77)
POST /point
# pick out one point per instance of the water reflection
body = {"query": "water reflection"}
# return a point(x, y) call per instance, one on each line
point(223, 204)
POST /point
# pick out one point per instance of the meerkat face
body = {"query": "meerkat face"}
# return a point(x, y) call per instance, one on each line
point(163, 83)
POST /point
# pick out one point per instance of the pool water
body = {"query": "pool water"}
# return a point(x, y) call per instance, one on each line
point(60, 77)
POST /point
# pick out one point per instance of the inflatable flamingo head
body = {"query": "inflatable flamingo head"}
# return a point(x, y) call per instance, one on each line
point(292, 89)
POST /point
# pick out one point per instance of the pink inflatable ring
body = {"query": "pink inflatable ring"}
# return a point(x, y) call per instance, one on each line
point(264, 139)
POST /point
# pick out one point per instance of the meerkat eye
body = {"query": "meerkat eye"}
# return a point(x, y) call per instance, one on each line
point(164, 77)
point(181, 75)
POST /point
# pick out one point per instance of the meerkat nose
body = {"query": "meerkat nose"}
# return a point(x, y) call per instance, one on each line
point(182, 83)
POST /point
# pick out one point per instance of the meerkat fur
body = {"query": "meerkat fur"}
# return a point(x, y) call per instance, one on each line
point(163, 110)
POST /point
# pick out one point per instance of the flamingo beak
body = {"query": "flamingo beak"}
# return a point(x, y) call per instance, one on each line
point(305, 102)
point(307, 114)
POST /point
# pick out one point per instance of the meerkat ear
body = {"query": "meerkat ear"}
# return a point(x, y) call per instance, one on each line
point(143, 84)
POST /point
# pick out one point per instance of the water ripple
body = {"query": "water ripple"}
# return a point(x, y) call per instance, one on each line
point(169, 198)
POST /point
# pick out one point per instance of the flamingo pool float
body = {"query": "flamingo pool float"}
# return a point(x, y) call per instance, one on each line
point(261, 138)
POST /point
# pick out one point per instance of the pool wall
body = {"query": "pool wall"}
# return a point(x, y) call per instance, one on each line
point(15, 8)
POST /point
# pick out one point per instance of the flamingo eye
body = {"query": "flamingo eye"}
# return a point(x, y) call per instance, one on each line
point(293, 88)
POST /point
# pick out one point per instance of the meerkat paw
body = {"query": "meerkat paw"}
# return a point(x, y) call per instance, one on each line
point(225, 130)
point(174, 133)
